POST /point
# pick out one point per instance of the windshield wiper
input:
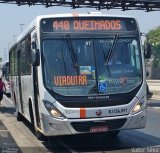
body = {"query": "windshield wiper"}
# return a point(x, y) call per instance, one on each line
point(111, 50)
point(72, 52)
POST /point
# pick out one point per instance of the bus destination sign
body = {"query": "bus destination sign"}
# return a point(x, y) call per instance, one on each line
point(87, 24)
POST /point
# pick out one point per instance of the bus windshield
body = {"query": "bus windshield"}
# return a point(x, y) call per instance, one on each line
point(84, 67)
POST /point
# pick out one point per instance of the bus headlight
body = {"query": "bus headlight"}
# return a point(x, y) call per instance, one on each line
point(52, 110)
point(139, 106)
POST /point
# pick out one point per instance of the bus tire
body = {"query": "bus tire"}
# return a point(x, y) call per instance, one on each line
point(31, 113)
point(38, 134)
point(18, 115)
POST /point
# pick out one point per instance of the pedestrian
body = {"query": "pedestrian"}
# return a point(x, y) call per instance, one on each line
point(2, 88)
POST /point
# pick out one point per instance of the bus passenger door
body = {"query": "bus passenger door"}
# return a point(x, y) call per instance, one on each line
point(19, 83)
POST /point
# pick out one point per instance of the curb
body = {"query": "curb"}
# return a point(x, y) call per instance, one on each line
point(155, 92)
point(153, 81)
point(154, 97)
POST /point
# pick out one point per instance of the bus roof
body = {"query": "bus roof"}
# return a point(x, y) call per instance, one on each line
point(91, 14)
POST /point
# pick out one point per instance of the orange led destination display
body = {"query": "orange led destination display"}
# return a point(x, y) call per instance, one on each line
point(87, 25)
point(70, 80)
point(92, 24)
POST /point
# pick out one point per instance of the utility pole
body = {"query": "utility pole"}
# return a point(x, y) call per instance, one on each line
point(5, 55)
point(14, 37)
point(21, 25)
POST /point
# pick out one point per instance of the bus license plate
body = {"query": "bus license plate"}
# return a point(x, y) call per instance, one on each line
point(99, 129)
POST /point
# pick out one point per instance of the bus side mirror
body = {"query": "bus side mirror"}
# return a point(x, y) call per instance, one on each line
point(147, 50)
point(35, 54)
point(35, 57)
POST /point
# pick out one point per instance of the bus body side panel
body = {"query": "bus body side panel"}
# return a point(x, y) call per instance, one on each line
point(27, 90)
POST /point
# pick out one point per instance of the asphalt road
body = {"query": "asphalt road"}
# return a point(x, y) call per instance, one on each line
point(19, 136)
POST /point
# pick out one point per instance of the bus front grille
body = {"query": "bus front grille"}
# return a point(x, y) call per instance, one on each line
point(86, 126)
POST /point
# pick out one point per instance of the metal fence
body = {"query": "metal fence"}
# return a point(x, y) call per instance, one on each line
point(147, 5)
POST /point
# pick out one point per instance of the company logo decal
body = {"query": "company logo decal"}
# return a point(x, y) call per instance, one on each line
point(98, 112)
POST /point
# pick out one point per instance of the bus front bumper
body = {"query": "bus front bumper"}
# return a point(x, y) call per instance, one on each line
point(53, 127)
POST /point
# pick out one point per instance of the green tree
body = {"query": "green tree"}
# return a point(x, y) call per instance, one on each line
point(154, 39)
point(154, 62)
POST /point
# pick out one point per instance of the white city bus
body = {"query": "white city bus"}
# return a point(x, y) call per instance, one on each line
point(63, 79)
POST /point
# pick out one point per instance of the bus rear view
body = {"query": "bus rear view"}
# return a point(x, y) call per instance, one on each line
point(91, 75)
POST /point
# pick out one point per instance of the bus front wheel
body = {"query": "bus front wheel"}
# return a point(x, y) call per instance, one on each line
point(18, 115)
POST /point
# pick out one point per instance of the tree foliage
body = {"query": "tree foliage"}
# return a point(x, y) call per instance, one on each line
point(154, 39)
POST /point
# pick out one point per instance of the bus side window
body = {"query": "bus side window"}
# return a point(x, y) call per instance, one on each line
point(135, 56)
point(28, 54)
point(11, 62)
point(16, 62)
point(23, 58)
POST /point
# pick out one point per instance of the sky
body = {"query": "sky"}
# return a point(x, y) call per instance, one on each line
point(13, 16)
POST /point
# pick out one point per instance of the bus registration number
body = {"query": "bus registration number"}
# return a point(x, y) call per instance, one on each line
point(117, 111)
point(99, 129)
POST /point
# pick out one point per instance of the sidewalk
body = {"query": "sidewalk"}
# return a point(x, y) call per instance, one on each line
point(154, 87)
point(154, 97)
